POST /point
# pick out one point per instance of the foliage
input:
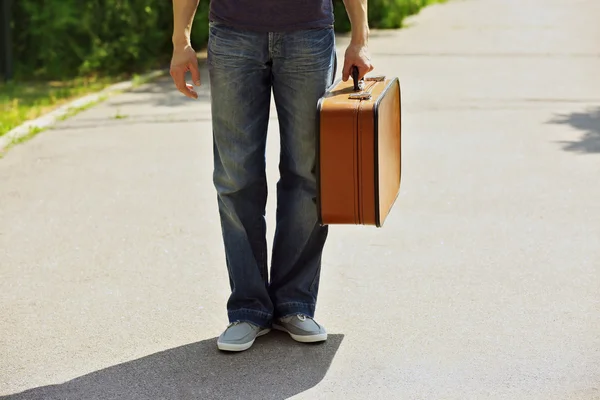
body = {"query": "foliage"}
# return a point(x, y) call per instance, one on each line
point(58, 39)
point(383, 14)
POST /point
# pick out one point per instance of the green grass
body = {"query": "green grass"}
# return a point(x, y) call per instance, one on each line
point(33, 131)
point(118, 115)
point(76, 110)
point(24, 101)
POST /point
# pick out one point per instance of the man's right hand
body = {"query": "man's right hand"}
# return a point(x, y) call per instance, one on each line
point(184, 59)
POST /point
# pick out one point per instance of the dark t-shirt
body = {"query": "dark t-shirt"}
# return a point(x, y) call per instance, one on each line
point(273, 15)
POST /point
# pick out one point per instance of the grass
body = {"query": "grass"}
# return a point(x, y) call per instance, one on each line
point(118, 115)
point(24, 101)
point(34, 130)
point(76, 110)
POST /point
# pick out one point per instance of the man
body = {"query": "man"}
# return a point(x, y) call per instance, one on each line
point(255, 48)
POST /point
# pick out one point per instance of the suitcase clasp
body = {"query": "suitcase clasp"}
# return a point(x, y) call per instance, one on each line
point(359, 87)
point(360, 96)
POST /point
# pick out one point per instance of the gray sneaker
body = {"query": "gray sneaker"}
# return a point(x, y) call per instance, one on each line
point(301, 328)
point(240, 336)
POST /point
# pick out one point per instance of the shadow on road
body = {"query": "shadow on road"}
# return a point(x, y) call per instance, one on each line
point(107, 123)
point(163, 92)
point(589, 123)
point(276, 367)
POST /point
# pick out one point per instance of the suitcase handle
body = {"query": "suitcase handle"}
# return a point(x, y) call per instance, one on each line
point(358, 84)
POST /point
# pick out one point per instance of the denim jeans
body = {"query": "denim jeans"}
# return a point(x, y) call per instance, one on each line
point(245, 69)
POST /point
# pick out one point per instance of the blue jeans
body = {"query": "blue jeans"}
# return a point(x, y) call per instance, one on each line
point(244, 69)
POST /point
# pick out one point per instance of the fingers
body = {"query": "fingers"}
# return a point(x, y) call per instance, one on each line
point(190, 92)
point(178, 75)
point(363, 69)
point(195, 72)
point(346, 70)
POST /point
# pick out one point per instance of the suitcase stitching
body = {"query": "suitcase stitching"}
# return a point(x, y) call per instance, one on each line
point(360, 128)
point(356, 167)
point(360, 164)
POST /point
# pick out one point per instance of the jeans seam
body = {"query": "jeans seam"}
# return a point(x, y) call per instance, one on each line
point(251, 311)
point(295, 303)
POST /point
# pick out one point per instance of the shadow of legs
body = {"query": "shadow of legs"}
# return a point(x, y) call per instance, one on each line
point(275, 367)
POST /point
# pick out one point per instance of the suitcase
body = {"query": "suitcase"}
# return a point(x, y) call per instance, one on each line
point(358, 150)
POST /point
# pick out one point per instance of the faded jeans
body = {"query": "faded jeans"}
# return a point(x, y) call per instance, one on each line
point(244, 69)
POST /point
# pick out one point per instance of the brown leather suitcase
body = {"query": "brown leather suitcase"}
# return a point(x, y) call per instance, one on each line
point(359, 150)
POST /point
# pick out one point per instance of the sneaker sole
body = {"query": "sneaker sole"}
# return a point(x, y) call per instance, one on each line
point(241, 346)
point(320, 337)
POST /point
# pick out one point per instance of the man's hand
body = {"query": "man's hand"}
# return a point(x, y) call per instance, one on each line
point(184, 59)
point(357, 55)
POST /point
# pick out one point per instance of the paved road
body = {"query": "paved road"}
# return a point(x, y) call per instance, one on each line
point(484, 284)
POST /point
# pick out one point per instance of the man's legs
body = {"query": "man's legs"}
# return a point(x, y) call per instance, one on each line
point(240, 88)
point(303, 67)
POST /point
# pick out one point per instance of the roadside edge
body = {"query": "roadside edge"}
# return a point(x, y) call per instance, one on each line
point(37, 125)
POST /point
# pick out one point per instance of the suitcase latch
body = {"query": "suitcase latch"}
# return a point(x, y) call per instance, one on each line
point(365, 94)
point(360, 96)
